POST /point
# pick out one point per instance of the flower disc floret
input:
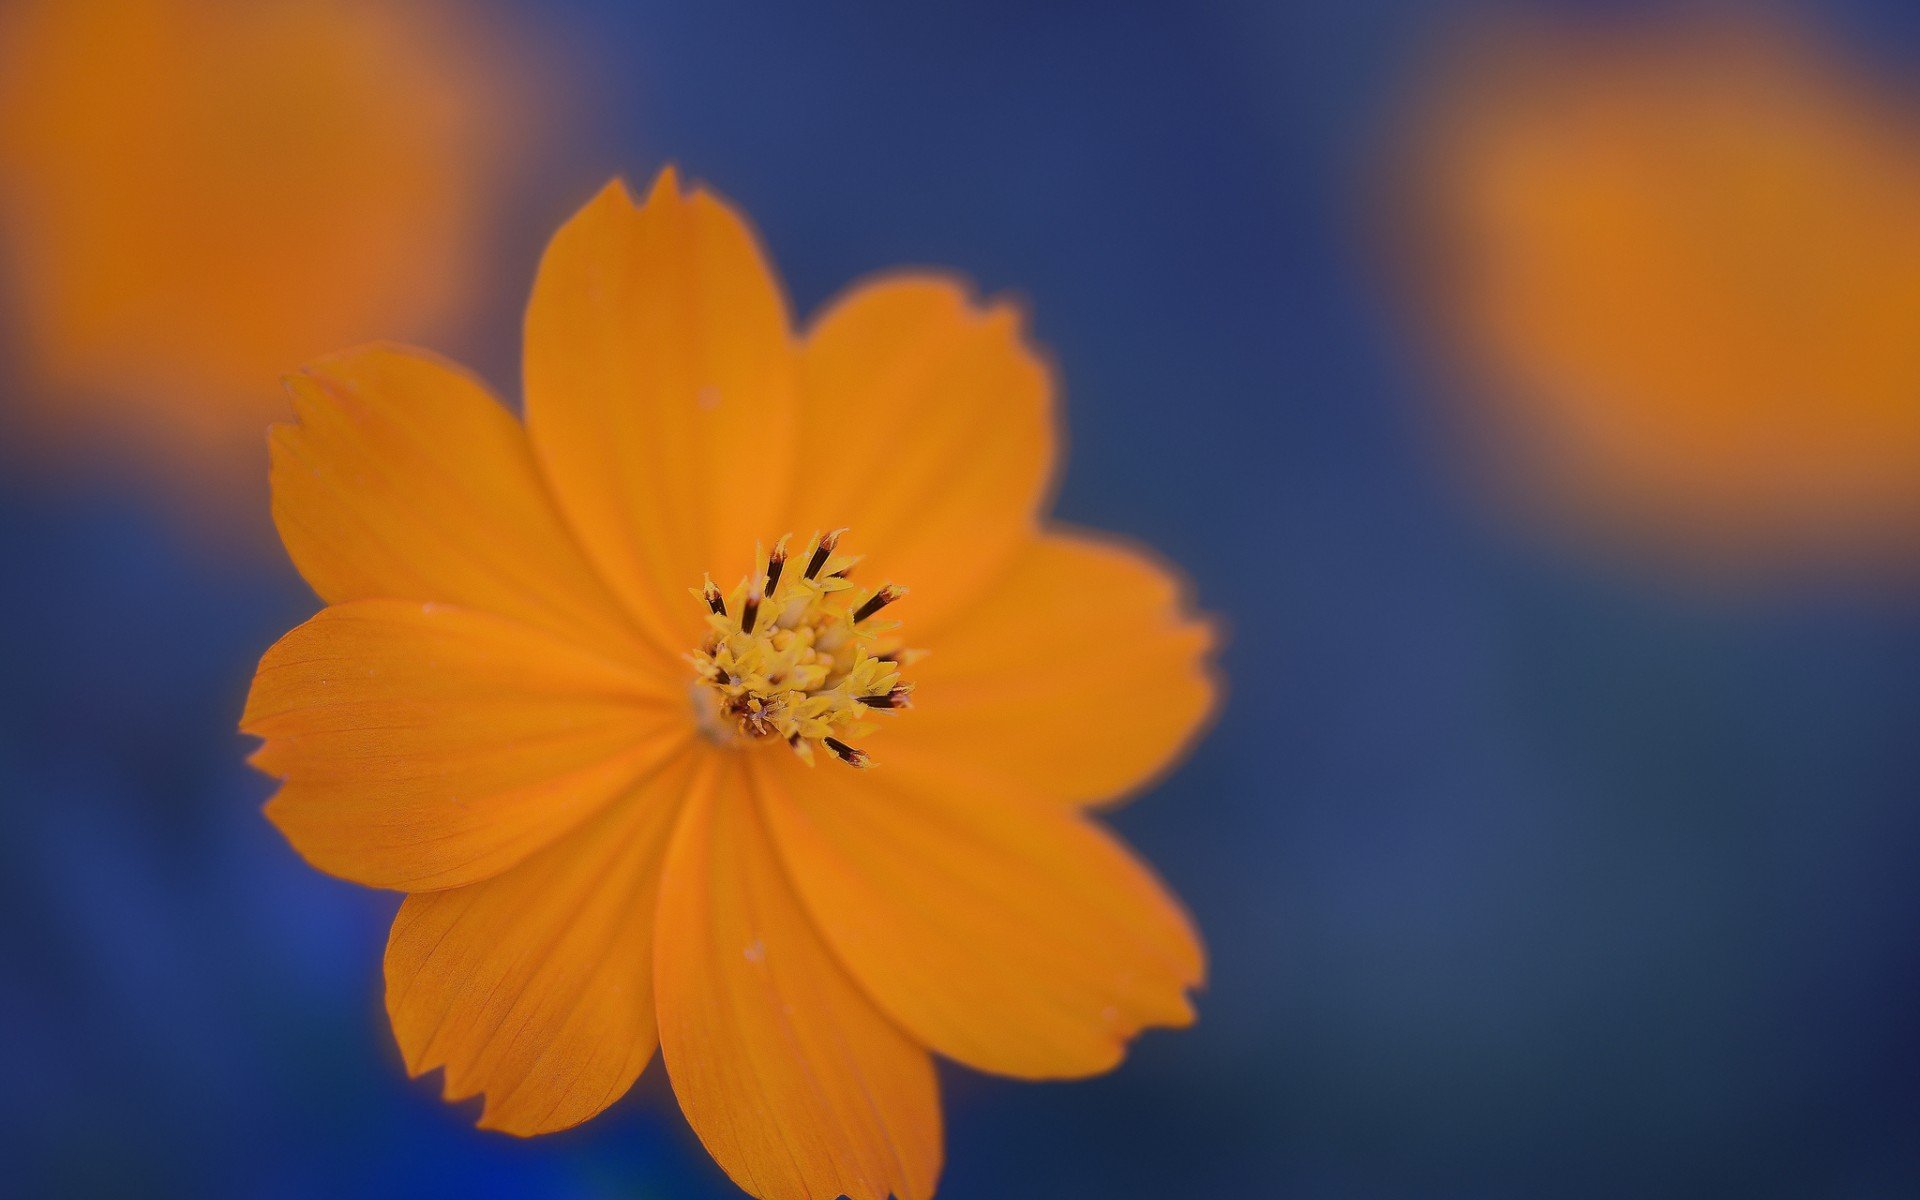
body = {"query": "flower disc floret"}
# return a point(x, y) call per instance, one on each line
point(802, 656)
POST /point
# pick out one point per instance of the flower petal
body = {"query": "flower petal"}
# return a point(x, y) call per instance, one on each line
point(535, 987)
point(1079, 675)
point(796, 1084)
point(1014, 937)
point(425, 746)
point(659, 384)
point(928, 429)
point(404, 479)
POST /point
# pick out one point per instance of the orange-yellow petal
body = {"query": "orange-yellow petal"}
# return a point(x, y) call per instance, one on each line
point(928, 428)
point(1014, 937)
point(535, 987)
point(425, 746)
point(659, 387)
point(1079, 675)
point(404, 479)
point(795, 1082)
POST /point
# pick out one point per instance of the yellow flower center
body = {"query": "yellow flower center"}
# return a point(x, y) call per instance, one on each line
point(800, 655)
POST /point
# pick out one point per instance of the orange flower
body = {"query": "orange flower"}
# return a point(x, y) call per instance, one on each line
point(195, 193)
point(1679, 267)
point(629, 804)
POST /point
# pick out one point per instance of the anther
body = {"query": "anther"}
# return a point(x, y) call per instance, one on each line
point(776, 562)
point(749, 612)
point(715, 601)
point(847, 754)
point(894, 698)
point(823, 552)
point(880, 599)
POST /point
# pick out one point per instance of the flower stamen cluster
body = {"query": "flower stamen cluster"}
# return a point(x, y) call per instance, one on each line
point(802, 656)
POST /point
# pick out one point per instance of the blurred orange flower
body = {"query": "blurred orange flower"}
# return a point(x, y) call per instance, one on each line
point(195, 193)
point(1679, 269)
point(630, 805)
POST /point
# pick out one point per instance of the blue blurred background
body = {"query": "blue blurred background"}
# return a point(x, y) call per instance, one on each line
point(1524, 872)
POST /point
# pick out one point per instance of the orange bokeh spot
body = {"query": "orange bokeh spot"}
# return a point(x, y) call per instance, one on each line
point(1677, 271)
point(197, 196)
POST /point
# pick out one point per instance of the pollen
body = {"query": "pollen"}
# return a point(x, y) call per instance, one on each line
point(799, 653)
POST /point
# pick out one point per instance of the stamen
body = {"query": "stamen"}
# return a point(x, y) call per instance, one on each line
point(885, 596)
point(715, 601)
point(847, 754)
point(823, 553)
point(776, 562)
point(750, 612)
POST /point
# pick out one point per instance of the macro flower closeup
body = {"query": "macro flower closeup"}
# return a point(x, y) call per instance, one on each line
point(195, 194)
point(1676, 269)
point(739, 703)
